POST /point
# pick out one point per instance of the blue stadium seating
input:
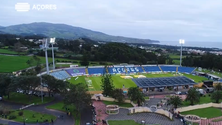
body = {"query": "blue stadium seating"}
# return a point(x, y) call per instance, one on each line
point(169, 68)
point(96, 70)
point(114, 70)
point(60, 75)
point(152, 69)
point(185, 69)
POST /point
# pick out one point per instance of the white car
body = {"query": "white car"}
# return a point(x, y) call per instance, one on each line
point(178, 93)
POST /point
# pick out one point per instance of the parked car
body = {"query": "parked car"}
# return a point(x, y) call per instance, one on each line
point(161, 89)
point(178, 93)
point(20, 91)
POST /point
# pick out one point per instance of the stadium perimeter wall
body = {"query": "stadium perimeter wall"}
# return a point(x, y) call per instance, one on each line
point(146, 109)
point(188, 108)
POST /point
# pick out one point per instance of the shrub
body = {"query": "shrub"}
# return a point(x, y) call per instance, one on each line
point(12, 117)
point(20, 113)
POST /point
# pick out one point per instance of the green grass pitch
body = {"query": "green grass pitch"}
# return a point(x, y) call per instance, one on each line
point(117, 81)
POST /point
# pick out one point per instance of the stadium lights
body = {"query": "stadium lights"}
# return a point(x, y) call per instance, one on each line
point(45, 46)
point(52, 41)
point(181, 41)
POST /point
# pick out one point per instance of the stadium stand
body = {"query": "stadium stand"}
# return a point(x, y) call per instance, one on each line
point(163, 82)
point(96, 70)
point(186, 69)
point(114, 70)
point(60, 75)
point(169, 68)
point(76, 71)
point(151, 68)
point(134, 69)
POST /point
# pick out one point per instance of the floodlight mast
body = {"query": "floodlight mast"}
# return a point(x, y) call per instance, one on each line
point(45, 47)
point(52, 41)
point(181, 41)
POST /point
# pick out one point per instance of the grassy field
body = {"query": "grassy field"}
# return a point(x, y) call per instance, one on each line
point(80, 79)
point(158, 75)
point(60, 107)
point(196, 79)
point(119, 104)
point(31, 116)
point(15, 63)
point(117, 80)
point(24, 99)
point(7, 51)
point(210, 72)
point(210, 112)
point(176, 58)
point(203, 100)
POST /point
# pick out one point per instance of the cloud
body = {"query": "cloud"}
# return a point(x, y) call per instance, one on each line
point(167, 20)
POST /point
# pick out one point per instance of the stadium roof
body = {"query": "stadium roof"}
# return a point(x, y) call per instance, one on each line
point(163, 82)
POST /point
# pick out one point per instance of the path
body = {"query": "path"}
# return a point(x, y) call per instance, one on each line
point(149, 118)
point(67, 120)
point(210, 121)
point(100, 108)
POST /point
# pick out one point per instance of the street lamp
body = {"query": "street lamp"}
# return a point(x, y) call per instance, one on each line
point(181, 41)
point(52, 41)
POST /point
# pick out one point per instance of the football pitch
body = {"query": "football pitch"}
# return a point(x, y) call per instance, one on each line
point(118, 82)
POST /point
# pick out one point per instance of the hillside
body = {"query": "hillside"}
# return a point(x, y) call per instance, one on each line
point(67, 32)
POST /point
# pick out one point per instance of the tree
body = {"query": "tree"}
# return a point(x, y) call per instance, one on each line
point(218, 87)
point(175, 101)
point(18, 47)
point(5, 82)
point(135, 94)
point(85, 59)
point(107, 84)
point(193, 96)
point(216, 96)
point(118, 95)
point(27, 83)
point(77, 96)
point(53, 85)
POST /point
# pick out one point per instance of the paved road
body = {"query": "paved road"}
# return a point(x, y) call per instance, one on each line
point(149, 118)
point(67, 120)
point(86, 116)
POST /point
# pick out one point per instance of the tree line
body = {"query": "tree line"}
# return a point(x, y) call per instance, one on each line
point(209, 61)
point(73, 95)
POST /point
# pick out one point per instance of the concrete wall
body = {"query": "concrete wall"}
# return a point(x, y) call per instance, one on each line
point(146, 109)
point(188, 108)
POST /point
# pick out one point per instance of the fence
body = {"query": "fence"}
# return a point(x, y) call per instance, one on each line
point(146, 109)
point(27, 106)
point(183, 109)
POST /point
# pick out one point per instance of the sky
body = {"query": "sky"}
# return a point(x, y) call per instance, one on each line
point(163, 20)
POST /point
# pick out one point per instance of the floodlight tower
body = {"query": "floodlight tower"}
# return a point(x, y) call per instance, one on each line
point(45, 46)
point(181, 41)
point(52, 41)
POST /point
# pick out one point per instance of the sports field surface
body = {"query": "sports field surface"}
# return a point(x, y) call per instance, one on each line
point(197, 79)
point(118, 82)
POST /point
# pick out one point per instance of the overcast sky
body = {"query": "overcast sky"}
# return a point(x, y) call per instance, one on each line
point(164, 20)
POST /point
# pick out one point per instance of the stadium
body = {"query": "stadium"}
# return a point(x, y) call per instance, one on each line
point(149, 78)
